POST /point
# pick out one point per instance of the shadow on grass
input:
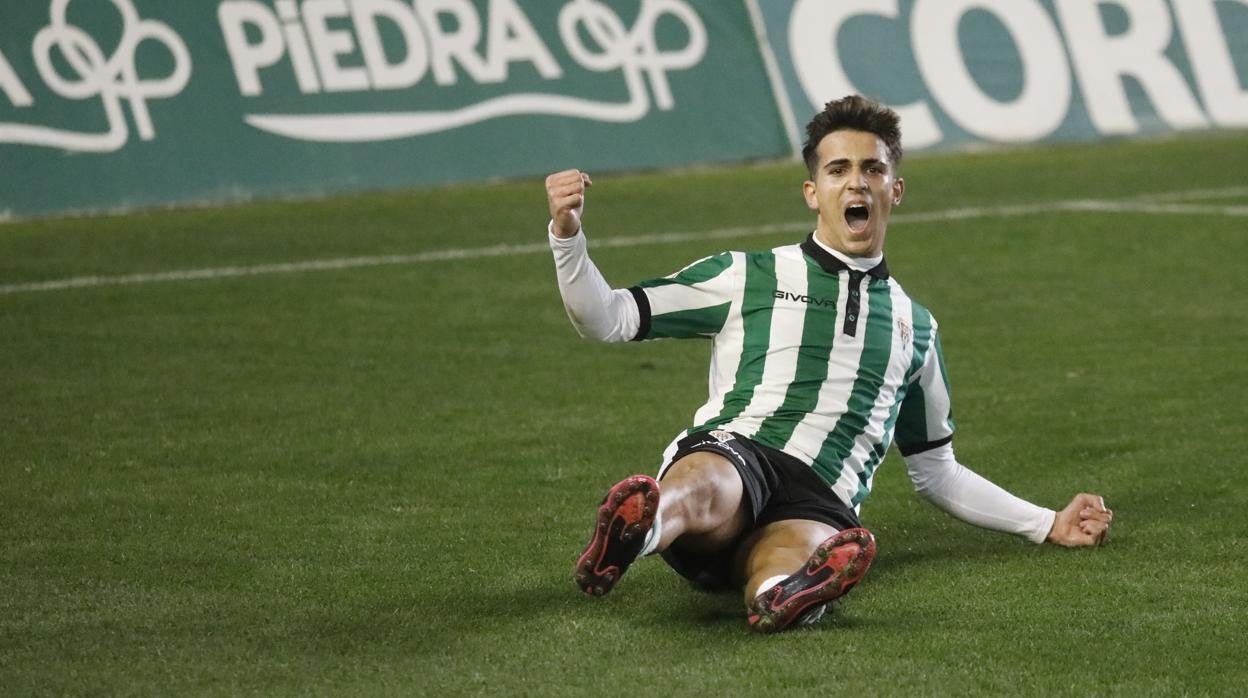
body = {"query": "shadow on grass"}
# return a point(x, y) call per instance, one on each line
point(654, 597)
point(683, 607)
point(725, 613)
point(657, 606)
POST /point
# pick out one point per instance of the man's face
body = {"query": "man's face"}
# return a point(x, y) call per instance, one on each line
point(854, 190)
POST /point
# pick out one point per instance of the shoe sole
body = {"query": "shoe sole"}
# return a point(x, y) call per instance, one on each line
point(797, 594)
point(624, 518)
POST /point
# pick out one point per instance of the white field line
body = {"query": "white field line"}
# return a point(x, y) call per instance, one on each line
point(1088, 205)
point(1194, 195)
point(1154, 204)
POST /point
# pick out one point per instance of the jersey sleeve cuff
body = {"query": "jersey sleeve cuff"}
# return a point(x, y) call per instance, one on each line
point(643, 312)
point(912, 449)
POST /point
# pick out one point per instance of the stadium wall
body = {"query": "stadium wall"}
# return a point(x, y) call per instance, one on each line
point(119, 104)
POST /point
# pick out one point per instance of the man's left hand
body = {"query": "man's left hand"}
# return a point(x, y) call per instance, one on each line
point(1084, 522)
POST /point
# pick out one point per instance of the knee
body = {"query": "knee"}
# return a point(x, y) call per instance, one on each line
point(705, 484)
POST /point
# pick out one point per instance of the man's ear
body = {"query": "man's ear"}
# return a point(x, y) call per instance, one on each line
point(808, 191)
point(899, 190)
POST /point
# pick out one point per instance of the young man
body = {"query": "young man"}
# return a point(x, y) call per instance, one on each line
point(820, 362)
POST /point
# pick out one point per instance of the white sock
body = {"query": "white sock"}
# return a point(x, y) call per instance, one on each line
point(771, 582)
point(652, 536)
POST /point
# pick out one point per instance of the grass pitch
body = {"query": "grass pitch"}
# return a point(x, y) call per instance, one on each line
point(375, 480)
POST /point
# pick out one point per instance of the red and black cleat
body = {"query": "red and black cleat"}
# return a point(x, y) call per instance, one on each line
point(625, 517)
point(832, 570)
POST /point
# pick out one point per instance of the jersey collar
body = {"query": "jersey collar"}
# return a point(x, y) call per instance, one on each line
point(832, 265)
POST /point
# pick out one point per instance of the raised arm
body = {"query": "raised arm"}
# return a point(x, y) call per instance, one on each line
point(596, 311)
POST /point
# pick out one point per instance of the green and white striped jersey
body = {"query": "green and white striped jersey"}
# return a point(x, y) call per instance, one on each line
point(825, 363)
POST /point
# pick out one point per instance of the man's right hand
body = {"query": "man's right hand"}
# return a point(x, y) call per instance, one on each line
point(565, 193)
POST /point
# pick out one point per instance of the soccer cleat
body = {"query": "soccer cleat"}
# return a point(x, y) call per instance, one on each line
point(625, 517)
point(832, 570)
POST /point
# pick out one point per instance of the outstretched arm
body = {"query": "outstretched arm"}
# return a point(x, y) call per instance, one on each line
point(958, 490)
point(925, 435)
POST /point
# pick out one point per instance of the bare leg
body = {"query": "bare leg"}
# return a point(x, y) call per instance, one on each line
point(793, 568)
point(780, 549)
point(700, 508)
point(702, 503)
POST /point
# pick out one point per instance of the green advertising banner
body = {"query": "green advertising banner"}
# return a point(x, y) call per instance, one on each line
point(966, 72)
point(117, 104)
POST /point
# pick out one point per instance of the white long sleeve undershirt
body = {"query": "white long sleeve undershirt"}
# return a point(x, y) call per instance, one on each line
point(600, 313)
point(965, 494)
point(596, 311)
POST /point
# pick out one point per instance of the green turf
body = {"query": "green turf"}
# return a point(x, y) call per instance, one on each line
point(375, 481)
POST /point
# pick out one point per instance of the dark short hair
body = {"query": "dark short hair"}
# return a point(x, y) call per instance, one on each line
point(853, 113)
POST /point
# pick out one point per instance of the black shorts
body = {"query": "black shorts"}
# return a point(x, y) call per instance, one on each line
point(777, 487)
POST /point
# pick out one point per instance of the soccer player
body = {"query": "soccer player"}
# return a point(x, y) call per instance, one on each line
point(820, 362)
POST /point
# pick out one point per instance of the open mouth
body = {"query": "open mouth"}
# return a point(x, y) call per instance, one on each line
point(856, 217)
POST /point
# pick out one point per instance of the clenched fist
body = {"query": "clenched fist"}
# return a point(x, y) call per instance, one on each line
point(1084, 522)
point(565, 193)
